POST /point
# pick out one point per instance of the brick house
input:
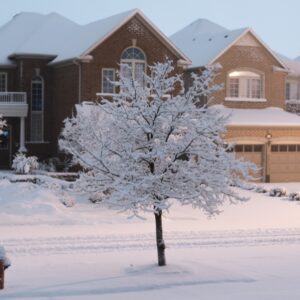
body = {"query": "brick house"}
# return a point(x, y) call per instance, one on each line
point(49, 63)
point(257, 83)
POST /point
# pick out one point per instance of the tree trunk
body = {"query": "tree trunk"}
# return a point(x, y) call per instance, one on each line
point(1, 275)
point(159, 239)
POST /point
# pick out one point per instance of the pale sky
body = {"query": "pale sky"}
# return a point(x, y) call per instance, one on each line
point(276, 22)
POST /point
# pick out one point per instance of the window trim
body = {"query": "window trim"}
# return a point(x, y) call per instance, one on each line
point(6, 77)
point(292, 84)
point(36, 112)
point(134, 61)
point(245, 98)
point(102, 80)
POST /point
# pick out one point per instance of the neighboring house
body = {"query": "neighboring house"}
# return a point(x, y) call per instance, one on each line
point(257, 83)
point(292, 85)
point(49, 63)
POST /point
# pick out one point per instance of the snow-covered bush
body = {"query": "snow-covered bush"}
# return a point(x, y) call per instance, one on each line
point(23, 164)
point(2, 124)
point(67, 200)
point(295, 196)
point(261, 189)
point(277, 192)
point(146, 148)
point(47, 166)
point(6, 261)
point(96, 197)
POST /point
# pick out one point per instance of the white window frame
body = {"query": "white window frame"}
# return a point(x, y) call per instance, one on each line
point(245, 86)
point(133, 62)
point(37, 112)
point(5, 74)
point(294, 90)
point(102, 80)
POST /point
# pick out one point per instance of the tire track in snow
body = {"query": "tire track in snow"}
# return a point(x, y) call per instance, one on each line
point(134, 242)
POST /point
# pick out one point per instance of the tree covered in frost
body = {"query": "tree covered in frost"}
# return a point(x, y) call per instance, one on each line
point(150, 145)
point(2, 124)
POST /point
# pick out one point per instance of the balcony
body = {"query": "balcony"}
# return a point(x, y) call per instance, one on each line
point(13, 104)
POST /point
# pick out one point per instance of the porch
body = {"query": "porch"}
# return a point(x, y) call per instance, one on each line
point(14, 104)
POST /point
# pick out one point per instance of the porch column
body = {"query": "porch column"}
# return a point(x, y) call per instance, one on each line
point(22, 135)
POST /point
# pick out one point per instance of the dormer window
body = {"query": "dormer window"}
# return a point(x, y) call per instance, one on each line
point(244, 85)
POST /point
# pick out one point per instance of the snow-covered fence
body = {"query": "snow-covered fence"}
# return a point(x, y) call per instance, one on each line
point(4, 264)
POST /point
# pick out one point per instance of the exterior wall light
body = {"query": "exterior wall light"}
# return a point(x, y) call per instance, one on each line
point(269, 137)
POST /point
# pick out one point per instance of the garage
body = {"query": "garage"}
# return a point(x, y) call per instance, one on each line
point(252, 153)
point(284, 162)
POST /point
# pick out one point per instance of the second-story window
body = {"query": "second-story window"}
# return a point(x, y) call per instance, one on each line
point(136, 61)
point(3, 82)
point(37, 109)
point(245, 85)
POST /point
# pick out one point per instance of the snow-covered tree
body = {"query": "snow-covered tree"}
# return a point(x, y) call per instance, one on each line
point(151, 144)
point(2, 124)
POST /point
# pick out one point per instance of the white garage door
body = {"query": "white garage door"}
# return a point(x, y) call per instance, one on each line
point(284, 163)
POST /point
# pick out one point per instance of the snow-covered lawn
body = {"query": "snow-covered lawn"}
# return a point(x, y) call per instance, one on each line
point(250, 251)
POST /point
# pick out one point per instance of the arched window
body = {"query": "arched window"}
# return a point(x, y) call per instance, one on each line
point(37, 109)
point(245, 85)
point(136, 60)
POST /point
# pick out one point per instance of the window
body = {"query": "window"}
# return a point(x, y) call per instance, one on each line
point(4, 139)
point(37, 109)
point(135, 60)
point(245, 84)
point(234, 87)
point(285, 148)
point(287, 91)
point(257, 148)
point(274, 148)
point(3, 82)
point(108, 76)
point(292, 90)
point(248, 148)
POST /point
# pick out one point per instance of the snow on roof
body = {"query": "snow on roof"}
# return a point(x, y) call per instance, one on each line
point(271, 116)
point(53, 34)
point(203, 40)
point(292, 64)
point(14, 33)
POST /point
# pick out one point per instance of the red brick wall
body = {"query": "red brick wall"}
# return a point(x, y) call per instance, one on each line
point(108, 54)
point(252, 58)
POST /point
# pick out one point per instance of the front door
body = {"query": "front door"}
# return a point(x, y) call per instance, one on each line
point(5, 148)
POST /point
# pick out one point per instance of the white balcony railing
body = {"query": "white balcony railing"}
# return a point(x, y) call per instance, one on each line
point(12, 97)
point(13, 104)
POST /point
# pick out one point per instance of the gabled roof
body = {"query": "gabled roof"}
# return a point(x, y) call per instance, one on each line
point(57, 36)
point(293, 65)
point(204, 41)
